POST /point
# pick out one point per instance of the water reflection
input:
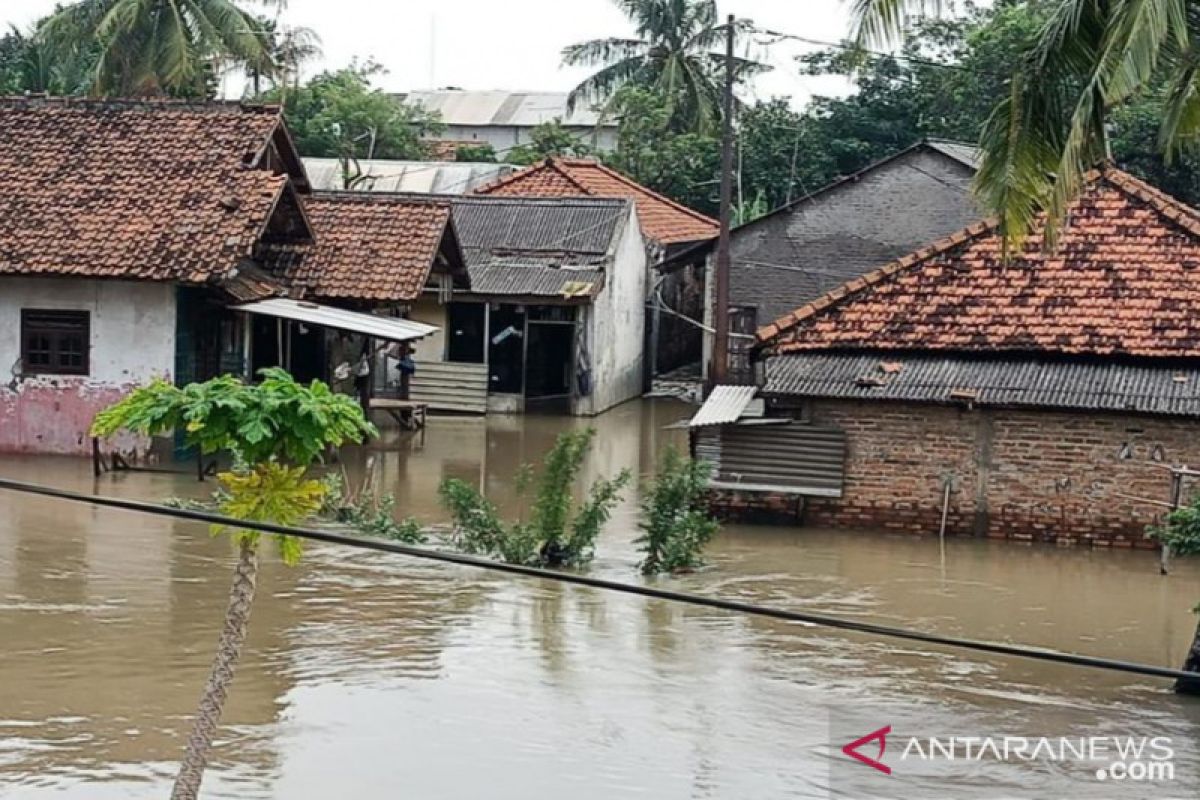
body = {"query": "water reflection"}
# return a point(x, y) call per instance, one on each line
point(370, 676)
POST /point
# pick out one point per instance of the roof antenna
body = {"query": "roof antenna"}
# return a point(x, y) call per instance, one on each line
point(433, 50)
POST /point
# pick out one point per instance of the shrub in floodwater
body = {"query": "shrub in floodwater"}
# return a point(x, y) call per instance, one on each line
point(1180, 532)
point(674, 523)
point(368, 512)
point(559, 532)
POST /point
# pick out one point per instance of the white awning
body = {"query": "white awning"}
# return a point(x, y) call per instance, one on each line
point(725, 405)
point(390, 328)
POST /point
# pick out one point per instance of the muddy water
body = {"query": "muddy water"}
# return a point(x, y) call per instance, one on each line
point(369, 676)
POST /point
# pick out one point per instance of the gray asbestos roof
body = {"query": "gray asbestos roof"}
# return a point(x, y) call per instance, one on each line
point(1020, 383)
point(503, 108)
point(432, 177)
point(557, 231)
point(531, 280)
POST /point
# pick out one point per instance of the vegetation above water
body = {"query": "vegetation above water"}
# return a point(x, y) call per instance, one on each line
point(675, 525)
point(559, 533)
point(275, 430)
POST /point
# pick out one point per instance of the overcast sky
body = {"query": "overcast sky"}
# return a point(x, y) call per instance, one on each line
point(486, 44)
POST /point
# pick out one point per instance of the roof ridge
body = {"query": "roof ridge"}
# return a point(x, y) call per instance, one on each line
point(350, 195)
point(1168, 206)
point(646, 189)
point(38, 100)
point(853, 287)
point(525, 172)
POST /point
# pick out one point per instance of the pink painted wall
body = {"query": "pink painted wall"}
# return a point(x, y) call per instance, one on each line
point(132, 341)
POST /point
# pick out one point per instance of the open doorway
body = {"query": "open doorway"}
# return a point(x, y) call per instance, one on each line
point(506, 349)
point(550, 361)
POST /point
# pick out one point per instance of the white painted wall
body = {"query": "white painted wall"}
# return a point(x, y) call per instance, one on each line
point(616, 324)
point(427, 309)
point(132, 341)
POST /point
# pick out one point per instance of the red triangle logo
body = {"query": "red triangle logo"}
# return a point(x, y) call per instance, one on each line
point(880, 735)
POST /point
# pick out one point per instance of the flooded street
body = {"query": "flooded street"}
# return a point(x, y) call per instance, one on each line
point(374, 676)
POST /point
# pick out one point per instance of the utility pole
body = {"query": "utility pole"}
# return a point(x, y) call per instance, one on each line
point(720, 365)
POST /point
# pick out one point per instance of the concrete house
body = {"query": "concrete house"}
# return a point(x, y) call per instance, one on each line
point(555, 315)
point(668, 228)
point(1032, 399)
point(176, 240)
point(802, 250)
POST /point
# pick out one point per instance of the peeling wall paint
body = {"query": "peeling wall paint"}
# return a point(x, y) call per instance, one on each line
point(132, 341)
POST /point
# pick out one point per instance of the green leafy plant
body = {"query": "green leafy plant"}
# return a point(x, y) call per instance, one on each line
point(376, 517)
point(675, 526)
point(1180, 531)
point(274, 430)
point(559, 533)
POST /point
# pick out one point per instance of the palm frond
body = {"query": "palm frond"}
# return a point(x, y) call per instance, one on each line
point(601, 86)
point(881, 23)
point(603, 52)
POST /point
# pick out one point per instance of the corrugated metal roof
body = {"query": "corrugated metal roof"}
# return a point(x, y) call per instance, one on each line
point(968, 154)
point(428, 177)
point(503, 108)
point(724, 406)
point(561, 230)
point(1009, 382)
point(390, 328)
point(530, 280)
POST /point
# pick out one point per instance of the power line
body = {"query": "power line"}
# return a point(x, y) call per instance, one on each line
point(808, 618)
point(852, 48)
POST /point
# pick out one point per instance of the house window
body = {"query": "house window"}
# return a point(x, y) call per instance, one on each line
point(54, 342)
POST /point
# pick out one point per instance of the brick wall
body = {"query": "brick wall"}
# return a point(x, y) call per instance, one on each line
point(1025, 475)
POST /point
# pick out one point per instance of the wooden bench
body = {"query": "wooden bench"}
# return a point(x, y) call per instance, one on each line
point(408, 414)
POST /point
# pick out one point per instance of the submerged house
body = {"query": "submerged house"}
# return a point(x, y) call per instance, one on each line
point(801, 250)
point(143, 239)
point(1031, 399)
point(668, 228)
point(554, 317)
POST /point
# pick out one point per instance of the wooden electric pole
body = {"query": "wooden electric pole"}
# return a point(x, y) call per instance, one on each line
point(720, 363)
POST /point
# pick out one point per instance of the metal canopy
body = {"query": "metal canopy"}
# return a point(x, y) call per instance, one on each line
point(390, 328)
point(724, 406)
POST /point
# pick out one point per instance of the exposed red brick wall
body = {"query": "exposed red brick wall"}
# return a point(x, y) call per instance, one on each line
point(1025, 475)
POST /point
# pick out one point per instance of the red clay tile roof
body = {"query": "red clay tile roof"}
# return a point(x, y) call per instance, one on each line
point(1123, 280)
point(131, 189)
point(662, 219)
point(370, 246)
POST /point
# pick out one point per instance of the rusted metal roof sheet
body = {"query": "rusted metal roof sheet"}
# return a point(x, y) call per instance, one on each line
point(1086, 386)
point(724, 406)
point(530, 280)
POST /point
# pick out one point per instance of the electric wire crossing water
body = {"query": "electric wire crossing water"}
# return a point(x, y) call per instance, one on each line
point(996, 648)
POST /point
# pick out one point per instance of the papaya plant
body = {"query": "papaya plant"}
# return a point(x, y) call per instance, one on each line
point(275, 430)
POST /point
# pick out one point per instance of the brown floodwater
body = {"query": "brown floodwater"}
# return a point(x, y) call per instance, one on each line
point(376, 676)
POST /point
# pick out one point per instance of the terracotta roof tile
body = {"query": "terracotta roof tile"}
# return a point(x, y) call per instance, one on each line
point(662, 219)
point(1124, 279)
point(370, 246)
point(131, 189)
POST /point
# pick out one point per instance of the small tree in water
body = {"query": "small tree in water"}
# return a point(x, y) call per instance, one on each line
point(675, 525)
point(559, 533)
point(275, 430)
point(1181, 534)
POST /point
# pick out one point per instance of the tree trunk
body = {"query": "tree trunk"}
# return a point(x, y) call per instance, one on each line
point(212, 701)
point(1191, 664)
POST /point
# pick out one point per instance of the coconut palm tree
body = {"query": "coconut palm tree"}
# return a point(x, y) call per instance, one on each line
point(678, 52)
point(151, 47)
point(276, 429)
point(1091, 56)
